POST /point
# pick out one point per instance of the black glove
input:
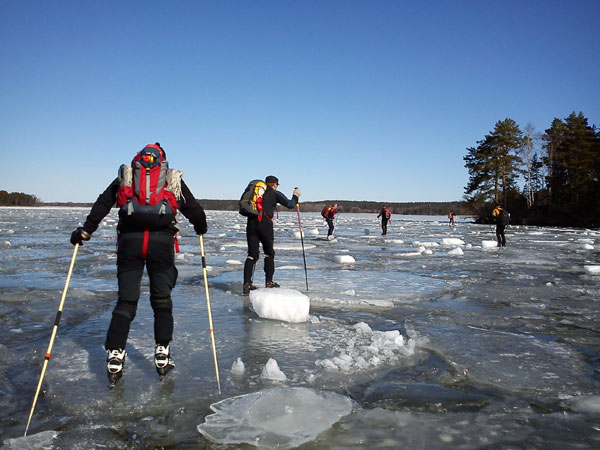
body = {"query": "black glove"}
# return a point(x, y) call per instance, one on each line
point(201, 228)
point(80, 235)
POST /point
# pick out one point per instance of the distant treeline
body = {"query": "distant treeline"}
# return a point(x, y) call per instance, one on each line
point(345, 206)
point(17, 199)
point(353, 206)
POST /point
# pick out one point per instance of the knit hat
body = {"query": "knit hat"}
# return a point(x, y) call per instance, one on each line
point(271, 179)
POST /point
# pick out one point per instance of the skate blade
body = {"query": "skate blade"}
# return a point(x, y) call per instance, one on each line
point(113, 378)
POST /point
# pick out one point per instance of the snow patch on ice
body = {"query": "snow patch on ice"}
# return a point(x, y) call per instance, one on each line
point(456, 252)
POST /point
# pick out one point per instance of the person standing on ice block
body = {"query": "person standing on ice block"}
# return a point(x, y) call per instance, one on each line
point(149, 195)
point(259, 229)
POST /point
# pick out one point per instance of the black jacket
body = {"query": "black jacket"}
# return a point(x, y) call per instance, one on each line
point(270, 199)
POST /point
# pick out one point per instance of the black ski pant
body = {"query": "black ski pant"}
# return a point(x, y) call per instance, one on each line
point(159, 260)
point(500, 235)
point(330, 225)
point(259, 233)
point(384, 226)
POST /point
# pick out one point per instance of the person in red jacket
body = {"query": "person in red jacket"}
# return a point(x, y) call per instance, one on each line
point(329, 215)
point(145, 238)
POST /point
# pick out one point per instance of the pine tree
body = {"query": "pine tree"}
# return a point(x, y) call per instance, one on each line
point(574, 172)
point(494, 164)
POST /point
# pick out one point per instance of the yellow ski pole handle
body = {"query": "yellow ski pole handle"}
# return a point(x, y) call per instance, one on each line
point(210, 323)
point(52, 337)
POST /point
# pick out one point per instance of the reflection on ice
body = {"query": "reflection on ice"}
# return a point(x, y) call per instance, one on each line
point(274, 418)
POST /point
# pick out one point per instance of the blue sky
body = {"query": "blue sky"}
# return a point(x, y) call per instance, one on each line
point(353, 100)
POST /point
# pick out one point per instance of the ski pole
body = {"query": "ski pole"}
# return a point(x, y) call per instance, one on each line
point(210, 323)
point(52, 336)
point(302, 240)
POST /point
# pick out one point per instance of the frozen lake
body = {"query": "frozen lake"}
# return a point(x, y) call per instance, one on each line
point(433, 338)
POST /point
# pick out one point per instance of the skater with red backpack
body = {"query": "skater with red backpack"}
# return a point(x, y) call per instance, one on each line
point(329, 214)
point(386, 216)
point(148, 195)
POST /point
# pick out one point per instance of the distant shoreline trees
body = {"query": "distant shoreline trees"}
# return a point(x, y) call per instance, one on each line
point(547, 179)
point(18, 199)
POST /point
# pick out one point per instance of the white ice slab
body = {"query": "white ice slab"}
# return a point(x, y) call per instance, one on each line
point(344, 259)
point(592, 269)
point(287, 305)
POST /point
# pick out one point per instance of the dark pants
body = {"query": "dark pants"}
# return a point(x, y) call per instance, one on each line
point(162, 273)
point(384, 226)
point(330, 224)
point(259, 233)
point(500, 235)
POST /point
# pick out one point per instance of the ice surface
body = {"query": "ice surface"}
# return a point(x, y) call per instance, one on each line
point(275, 418)
point(271, 371)
point(516, 328)
point(283, 304)
point(34, 441)
point(456, 252)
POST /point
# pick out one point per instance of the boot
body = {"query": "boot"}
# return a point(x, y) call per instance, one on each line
point(247, 288)
point(115, 361)
point(162, 359)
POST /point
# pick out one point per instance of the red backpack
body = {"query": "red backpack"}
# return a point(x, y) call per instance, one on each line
point(143, 196)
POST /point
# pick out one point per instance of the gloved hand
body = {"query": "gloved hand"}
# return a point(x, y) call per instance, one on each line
point(201, 228)
point(297, 192)
point(80, 235)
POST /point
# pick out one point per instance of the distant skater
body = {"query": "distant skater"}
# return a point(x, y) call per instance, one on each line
point(451, 218)
point(329, 214)
point(502, 219)
point(386, 216)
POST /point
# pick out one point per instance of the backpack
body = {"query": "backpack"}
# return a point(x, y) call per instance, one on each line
point(325, 212)
point(504, 217)
point(387, 213)
point(144, 198)
point(251, 200)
